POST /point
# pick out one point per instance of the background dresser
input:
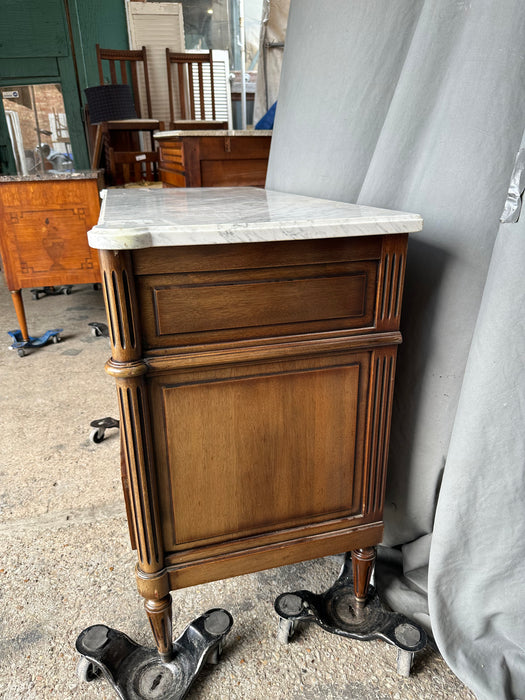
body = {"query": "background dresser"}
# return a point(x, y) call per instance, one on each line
point(213, 158)
point(44, 220)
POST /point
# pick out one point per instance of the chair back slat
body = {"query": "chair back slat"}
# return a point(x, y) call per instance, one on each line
point(189, 72)
point(190, 76)
point(182, 93)
point(201, 86)
point(212, 86)
point(113, 72)
point(123, 72)
point(135, 86)
point(131, 57)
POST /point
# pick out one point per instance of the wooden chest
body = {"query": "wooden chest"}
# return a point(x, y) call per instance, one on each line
point(254, 338)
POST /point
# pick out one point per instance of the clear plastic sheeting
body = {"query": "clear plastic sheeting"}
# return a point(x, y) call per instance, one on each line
point(512, 208)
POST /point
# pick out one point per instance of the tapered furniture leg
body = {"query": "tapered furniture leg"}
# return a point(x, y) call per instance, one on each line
point(363, 561)
point(160, 618)
point(16, 295)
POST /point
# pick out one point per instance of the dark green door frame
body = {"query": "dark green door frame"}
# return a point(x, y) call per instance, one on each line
point(35, 48)
point(62, 74)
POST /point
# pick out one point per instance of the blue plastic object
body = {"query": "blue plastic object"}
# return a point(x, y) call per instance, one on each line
point(266, 121)
point(21, 345)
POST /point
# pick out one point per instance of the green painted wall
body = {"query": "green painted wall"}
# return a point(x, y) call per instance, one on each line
point(33, 28)
point(36, 47)
point(96, 22)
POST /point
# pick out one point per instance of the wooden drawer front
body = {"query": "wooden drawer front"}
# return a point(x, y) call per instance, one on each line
point(172, 169)
point(171, 178)
point(49, 247)
point(256, 303)
point(240, 172)
point(248, 453)
point(43, 232)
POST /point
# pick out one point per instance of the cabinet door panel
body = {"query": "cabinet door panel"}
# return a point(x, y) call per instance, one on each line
point(260, 452)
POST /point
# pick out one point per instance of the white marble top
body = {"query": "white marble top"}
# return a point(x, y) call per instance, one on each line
point(53, 175)
point(149, 217)
point(160, 135)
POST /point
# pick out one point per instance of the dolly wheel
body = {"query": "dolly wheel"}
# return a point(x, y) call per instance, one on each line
point(286, 630)
point(86, 670)
point(96, 436)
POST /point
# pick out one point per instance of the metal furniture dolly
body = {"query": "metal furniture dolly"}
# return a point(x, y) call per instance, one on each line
point(348, 610)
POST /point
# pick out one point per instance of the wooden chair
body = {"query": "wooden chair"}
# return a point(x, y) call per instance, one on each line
point(127, 160)
point(190, 76)
point(124, 59)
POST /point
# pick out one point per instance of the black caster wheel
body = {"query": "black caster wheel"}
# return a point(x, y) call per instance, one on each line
point(99, 428)
point(21, 352)
point(215, 655)
point(288, 604)
point(96, 436)
point(87, 671)
point(99, 329)
point(56, 339)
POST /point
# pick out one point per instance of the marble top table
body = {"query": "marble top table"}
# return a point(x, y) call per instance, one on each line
point(178, 133)
point(49, 176)
point(146, 217)
point(255, 379)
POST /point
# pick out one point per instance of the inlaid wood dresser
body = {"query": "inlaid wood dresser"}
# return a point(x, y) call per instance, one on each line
point(254, 337)
point(44, 220)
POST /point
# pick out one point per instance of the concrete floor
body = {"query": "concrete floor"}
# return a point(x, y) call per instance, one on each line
point(66, 562)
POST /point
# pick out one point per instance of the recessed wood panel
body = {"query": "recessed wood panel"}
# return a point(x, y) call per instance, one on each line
point(254, 454)
point(52, 244)
point(43, 232)
point(234, 172)
point(257, 303)
point(239, 256)
point(264, 303)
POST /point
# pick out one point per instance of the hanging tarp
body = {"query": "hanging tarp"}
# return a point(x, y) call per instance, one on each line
point(271, 47)
point(419, 105)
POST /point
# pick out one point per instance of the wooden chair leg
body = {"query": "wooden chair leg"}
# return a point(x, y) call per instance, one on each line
point(18, 303)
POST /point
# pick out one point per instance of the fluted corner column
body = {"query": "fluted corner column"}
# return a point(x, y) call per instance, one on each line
point(129, 370)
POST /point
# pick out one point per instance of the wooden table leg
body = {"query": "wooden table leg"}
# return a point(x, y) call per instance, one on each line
point(363, 561)
point(159, 613)
point(18, 303)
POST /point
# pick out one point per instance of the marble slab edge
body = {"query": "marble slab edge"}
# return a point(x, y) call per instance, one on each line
point(39, 177)
point(126, 237)
point(160, 135)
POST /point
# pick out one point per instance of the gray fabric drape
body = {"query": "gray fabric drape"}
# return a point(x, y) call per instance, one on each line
point(420, 106)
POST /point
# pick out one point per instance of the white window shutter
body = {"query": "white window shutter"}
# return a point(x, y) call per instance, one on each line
point(157, 26)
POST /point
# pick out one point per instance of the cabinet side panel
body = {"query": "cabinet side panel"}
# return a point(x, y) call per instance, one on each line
point(253, 454)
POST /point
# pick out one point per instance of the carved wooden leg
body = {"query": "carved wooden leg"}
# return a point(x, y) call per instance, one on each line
point(363, 561)
point(160, 618)
point(16, 295)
